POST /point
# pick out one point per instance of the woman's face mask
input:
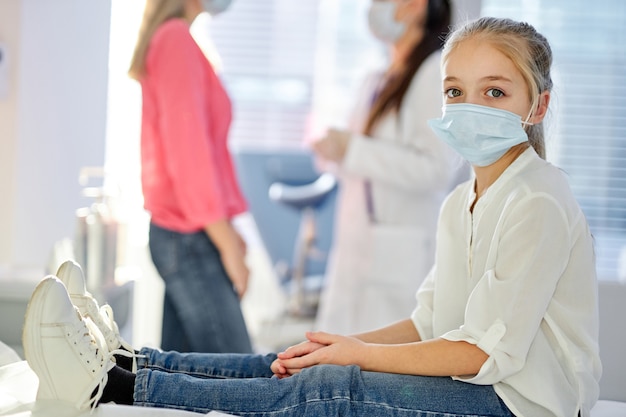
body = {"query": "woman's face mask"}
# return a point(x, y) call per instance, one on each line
point(214, 7)
point(480, 134)
point(382, 22)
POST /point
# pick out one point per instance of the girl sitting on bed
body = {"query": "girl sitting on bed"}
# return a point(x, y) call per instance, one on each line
point(506, 322)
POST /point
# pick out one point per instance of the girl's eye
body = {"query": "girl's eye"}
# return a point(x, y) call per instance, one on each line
point(495, 93)
point(453, 92)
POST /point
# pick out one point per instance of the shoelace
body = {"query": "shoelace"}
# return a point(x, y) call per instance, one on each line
point(93, 312)
point(95, 332)
point(96, 357)
point(105, 323)
point(104, 377)
point(107, 312)
point(103, 317)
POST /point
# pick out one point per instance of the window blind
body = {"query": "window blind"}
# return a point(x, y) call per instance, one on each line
point(268, 50)
point(587, 135)
point(290, 66)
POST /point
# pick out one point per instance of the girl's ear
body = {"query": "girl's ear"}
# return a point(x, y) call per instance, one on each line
point(542, 107)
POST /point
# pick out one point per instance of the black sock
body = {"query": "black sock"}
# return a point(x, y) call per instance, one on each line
point(119, 388)
point(124, 361)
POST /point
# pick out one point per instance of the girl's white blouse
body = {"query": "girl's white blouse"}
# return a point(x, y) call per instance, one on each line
point(517, 278)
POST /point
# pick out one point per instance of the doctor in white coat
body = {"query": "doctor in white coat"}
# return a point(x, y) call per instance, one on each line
point(394, 174)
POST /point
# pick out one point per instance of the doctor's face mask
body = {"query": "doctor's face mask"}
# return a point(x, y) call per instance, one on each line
point(382, 22)
point(480, 134)
point(214, 7)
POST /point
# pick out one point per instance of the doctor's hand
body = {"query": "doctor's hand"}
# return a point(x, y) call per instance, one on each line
point(333, 146)
point(321, 348)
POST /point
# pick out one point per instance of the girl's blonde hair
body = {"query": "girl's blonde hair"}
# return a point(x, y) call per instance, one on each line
point(529, 51)
point(155, 13)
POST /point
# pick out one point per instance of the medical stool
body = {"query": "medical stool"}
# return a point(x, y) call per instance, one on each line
point(280, 228)
point(304, 291)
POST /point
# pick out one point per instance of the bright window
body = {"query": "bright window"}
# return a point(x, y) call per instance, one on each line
point(292, 66)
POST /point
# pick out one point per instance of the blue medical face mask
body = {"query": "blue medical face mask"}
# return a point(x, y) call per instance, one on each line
point(382, 23)
point(480, 134)
point(214, 7)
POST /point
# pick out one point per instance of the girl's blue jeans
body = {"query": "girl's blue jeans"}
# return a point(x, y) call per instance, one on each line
point(201, 310)
point(242, 384)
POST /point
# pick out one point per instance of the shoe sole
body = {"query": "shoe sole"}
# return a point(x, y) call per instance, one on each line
point(31, 336)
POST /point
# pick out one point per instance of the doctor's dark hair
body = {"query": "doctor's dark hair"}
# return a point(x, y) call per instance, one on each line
point(529, 51)
point(390, 98)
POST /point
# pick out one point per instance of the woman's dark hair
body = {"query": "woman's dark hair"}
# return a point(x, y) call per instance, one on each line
point(392, 93)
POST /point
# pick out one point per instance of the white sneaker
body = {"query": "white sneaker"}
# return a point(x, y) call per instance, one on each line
point(60, 349)
point(71, 274)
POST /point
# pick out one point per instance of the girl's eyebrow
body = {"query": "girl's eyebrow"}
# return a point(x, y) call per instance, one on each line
point(451, 78)
point(497, 78)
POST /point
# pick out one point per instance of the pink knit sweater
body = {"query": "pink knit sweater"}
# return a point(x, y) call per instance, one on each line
point(188, 178)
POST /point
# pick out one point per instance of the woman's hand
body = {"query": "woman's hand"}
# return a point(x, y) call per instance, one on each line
point(321, 348)
point(232, 249)
point(241, 242)
point(236, 269)
point(333, 146)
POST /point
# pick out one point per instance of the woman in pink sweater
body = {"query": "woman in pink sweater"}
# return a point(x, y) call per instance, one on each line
point(189, 184)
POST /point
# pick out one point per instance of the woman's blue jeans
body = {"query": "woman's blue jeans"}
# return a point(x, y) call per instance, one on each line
point(242, 384)
point(201, 310)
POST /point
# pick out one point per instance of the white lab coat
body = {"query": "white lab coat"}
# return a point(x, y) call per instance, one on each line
point(376, 265)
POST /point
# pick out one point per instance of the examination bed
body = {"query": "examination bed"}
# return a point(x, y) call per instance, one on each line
point(18, 384)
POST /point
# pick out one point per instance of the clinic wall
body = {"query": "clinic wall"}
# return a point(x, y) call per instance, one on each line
point(9, 38)
point(52, 121)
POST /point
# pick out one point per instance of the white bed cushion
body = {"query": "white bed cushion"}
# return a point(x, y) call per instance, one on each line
point(8, 355)
point(605, 408)
point(18, 392)
point(18, 386)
